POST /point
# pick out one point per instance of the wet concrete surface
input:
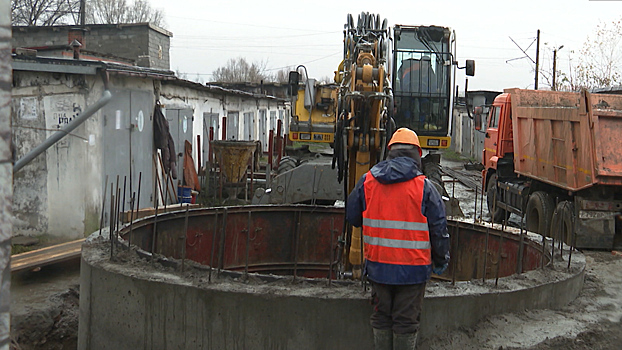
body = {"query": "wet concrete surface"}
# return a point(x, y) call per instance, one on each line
point(592, 321)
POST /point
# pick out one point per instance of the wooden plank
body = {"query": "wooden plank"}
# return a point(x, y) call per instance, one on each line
point(150, 211)
point(46, 256)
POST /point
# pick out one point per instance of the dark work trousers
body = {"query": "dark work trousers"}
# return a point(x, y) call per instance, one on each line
point(397, 307)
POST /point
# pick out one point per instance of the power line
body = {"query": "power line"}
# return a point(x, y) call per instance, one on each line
point(248, 25)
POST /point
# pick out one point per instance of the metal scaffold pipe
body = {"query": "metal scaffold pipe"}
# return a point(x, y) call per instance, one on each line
point(106, 97)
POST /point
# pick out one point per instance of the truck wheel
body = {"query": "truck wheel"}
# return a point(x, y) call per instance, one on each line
point(500, 214)
point(287, 163)
point(562, 222)
point(539, 212)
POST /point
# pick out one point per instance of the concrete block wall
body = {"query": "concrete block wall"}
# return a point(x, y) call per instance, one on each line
point(147, 45)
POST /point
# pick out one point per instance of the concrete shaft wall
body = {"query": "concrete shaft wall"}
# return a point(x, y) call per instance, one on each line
point(123, 312)
point(138, 306)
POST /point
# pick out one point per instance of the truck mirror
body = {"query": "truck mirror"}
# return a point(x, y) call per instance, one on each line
point(470, 68)
point(477, 117)
point(294, 78)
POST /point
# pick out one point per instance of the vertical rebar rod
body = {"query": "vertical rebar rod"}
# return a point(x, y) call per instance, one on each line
point(561, 237)
point(101, 220)
point(129, 236)
point(485, 253)
point(481, 206)
point(211, 257)
point(124, 189)
point(140, 177)
point(543, 251)
point(552, 250)
point(155, 221)
point(248, 241)
point(499, 259)
point(114, 211)
point(455, 266)
point(184, 239)
point(574, 239)
point(475, 209)
point(574, 235)
point(221, 251)
point(220, 179)
point(521, 246)
point(298, 214)
point(332, 249)
point(560, 243)
point(110, 223)
point(117, 216)
point(165, 192)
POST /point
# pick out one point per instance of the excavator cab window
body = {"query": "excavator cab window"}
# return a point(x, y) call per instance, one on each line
point(422, 79)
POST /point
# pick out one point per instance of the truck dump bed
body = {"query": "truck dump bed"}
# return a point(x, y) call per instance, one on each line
point(568, 139)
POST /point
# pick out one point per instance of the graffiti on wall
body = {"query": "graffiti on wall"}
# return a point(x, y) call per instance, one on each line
point(60, 110)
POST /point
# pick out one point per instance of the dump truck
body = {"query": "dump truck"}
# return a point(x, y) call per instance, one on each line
point(555, 159)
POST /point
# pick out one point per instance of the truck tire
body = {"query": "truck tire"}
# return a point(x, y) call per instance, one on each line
point(499, 214)
point(287, 163)
point(539, 213)
point(562, 223)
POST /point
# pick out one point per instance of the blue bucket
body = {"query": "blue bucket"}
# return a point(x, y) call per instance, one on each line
point(184, 194)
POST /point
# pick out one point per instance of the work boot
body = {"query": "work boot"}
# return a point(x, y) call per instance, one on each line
point(383, 339)
point(406, 341)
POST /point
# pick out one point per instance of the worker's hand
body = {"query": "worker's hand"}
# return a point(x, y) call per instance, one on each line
point(438, 270)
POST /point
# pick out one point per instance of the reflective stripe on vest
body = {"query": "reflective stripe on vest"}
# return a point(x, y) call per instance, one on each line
point(394, 229)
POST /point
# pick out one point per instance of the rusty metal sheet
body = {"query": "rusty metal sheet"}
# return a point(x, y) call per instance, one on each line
point(302, 240)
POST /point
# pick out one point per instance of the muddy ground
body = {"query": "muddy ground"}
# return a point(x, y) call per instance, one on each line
point(44, 306)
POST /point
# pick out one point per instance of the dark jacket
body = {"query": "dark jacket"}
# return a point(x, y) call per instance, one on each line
point(164, 141)
point(393, 171)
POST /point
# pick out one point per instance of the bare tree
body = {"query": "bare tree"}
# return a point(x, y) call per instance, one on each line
point(55, 12)
point(600, 57)
point(119, 11)
point(141, 11)
point(282, 75)
point(238, 70)
point(44, 12)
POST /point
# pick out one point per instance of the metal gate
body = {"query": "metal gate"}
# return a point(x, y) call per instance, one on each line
point(128, 147)
point(180, 126)
point(210, 120)
point(232, 125)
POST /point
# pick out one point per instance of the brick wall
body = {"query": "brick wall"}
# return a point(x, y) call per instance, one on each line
point(143, 43)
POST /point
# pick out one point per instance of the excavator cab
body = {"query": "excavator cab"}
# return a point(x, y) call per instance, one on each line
point(423, 80)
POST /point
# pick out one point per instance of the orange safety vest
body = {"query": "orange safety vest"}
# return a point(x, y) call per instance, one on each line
point(394, 229)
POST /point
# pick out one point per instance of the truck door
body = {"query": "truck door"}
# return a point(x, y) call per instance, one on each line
point(491, 137)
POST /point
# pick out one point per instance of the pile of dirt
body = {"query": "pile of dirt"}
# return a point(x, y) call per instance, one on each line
point(52, 325)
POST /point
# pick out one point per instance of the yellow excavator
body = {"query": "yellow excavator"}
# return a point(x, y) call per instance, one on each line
point(364, 102)
point(391, 79)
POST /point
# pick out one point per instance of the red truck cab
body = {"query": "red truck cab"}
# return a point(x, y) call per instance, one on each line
point(498, 141)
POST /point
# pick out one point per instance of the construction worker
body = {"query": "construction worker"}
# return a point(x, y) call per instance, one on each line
point(405, 236)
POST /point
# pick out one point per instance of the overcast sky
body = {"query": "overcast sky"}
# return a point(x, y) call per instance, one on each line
point(206, 34)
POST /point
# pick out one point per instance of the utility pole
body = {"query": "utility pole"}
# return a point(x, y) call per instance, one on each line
point(82, 13)
point(537, 59)
point(554, 86)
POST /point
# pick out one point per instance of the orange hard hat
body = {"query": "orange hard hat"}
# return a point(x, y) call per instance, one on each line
point(406, 136)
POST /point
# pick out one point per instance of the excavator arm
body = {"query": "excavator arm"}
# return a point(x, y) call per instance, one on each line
point(364, 103)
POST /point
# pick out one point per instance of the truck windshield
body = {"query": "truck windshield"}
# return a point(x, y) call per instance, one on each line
point(421, 80)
